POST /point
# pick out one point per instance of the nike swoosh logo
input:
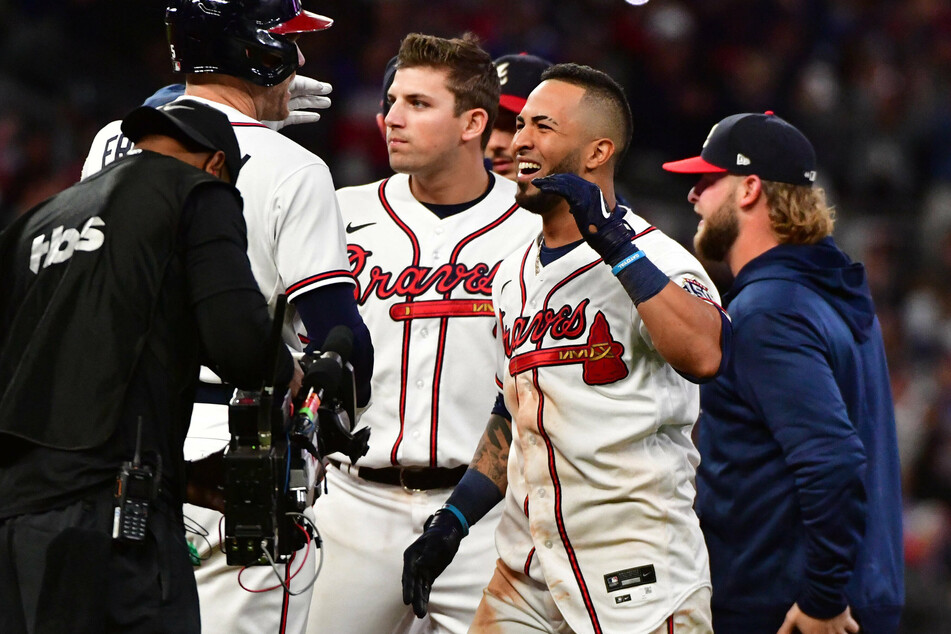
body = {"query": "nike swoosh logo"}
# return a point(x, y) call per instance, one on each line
point(351, 228)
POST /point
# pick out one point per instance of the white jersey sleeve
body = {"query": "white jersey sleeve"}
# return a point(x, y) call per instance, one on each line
point(309, 243)
point(675, 261)
point(108, 145)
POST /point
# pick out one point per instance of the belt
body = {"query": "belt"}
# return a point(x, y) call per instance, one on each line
point(410, 478)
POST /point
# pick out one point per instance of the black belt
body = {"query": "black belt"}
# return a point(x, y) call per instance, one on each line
point(410, 478)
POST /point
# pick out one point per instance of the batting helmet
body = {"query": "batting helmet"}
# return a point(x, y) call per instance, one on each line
point(244, 38)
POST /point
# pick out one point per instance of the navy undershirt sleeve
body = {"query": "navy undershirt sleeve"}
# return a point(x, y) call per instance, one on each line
point(327, 306)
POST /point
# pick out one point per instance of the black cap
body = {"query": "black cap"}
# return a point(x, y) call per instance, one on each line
point(189, 122)
point(518, 74)
point(752, 143)
point(388, 76)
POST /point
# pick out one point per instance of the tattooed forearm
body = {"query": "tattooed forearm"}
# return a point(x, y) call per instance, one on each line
point(492, 455)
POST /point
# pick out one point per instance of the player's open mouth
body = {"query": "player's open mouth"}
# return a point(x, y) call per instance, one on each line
point(527, 168)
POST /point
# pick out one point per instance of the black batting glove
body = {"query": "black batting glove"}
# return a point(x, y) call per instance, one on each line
point(428, 556)
point(604, 230)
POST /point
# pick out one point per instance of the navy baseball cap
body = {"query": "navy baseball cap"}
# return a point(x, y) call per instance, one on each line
point(189, 122)
point(518, 75)
point(388, 76)
point(753, 143)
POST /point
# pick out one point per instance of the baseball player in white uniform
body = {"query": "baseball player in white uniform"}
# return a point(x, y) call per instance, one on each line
point(424, 246)
point(295, 245)
point(598, 532)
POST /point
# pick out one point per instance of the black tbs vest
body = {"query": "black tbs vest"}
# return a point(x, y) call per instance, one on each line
point(91, 277)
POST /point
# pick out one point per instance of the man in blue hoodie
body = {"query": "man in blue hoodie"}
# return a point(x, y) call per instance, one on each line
point(798, 490)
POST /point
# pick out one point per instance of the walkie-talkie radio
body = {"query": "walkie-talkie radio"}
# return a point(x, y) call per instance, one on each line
point(136, 488)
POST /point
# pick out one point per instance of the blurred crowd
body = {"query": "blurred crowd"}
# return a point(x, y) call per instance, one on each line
point(869, 81)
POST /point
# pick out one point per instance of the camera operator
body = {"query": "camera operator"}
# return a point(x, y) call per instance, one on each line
point(115, 290)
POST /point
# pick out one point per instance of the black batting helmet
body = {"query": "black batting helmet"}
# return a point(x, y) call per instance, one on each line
point(244, 38)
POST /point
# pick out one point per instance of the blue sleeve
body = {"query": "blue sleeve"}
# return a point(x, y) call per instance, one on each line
point(500, 409)
point(327, 306)
point(783, 372)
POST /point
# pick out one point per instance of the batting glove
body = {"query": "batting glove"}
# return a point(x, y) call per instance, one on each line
point(428, 556)
point(306, 93)
point(604, 230)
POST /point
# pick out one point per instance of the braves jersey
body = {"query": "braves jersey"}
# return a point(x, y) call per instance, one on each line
point(424, 291)
point(601, 471)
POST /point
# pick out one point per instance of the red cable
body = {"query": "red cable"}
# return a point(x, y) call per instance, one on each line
point(296, 572)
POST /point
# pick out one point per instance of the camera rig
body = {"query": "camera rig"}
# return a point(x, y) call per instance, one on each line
point(275, 454)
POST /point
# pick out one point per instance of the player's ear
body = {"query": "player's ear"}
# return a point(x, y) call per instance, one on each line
point(598, 153)
point(749, 190)
point(215, 165)
point(474, 121)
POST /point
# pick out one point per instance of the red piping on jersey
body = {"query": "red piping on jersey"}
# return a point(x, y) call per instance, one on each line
point(552, 469)
point(670, 624)
point(444, 323)
point(559, 516)
point(644, 232)
point(243, 124)
point(313, 279)
point(406, 327)
point(528, 561)
point(521, 278)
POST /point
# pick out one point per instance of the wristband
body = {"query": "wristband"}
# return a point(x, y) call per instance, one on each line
point(459, 516)
point(474, 496)
point(620, 266)
point(642, 279)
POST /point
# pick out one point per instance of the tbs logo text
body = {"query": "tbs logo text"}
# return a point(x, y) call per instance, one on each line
point(63, 242)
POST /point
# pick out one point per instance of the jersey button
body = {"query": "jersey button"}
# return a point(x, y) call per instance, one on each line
point(423, 332)
point(541, 493)
point(420, 383)
point(548, 543)
point(438, 230)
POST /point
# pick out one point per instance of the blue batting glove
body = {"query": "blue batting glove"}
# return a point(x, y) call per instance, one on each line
point(604, 230)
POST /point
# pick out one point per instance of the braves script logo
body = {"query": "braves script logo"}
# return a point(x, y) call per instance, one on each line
point(414, 281)
point(600, 355)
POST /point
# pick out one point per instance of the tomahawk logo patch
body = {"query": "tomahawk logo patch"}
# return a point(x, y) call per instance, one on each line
point(599, 357)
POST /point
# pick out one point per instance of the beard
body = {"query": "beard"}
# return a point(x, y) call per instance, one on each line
point(719, 232)
point(538, 202)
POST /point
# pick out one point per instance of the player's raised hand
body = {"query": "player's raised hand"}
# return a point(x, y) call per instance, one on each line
point(306, 94)
point(605, 230)
point(428, 556)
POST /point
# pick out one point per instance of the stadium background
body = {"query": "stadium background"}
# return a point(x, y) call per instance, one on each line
point(869, 81)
